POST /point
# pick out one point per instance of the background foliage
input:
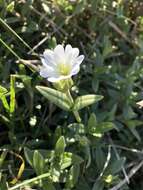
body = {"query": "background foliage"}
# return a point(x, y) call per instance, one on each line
point(43, 147)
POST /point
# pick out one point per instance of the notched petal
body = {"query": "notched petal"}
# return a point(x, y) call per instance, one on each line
point(68, 48)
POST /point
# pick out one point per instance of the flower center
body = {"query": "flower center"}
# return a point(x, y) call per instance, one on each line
point(64, 69)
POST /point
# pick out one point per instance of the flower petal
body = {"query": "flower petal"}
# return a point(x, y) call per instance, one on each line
point(75, 52)
point(59, 51)
point(68, 49)
point(47, 71)
point(71, 54)
point(59, 54)
point(75, 70)
point(49, 58)
point(56, 62)
point(76, 65)
point(78, 60)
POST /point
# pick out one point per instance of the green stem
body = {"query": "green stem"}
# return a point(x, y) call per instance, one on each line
point(2, 22)
point(76, 114)
point(24, 183)
point(9, 48)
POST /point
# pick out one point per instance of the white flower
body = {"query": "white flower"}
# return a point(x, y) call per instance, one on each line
point(60, 63)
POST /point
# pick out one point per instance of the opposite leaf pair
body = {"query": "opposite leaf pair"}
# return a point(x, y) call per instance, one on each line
point(63, 101)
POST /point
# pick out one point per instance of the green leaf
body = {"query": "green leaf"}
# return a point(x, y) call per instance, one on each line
point(3, 91)
point(105, 127)
point(38, 162)
point(73, 176)
point(3, 182)
point(80, 7)
point(5, 103)
point(100, 158)
point(83, 184)
point(92, 122)
point(101, 128)
point(128, 112)
point(108, 49)
point(98, 185)
point(10, 6)
point(2, 157)
point(47, 185)
point(60, 146)
point(115, 166)
point(57, 133)
point(86, 100)
point(29, 156)
point(69, 159)
point(135, 133)
point(58, 98)
point(132, 124)
point(47, 155)
point(111, 114)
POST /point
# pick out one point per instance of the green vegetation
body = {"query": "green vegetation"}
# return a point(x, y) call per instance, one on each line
point(43, 145)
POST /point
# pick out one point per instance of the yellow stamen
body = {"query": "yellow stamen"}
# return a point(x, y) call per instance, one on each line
point(64, 69)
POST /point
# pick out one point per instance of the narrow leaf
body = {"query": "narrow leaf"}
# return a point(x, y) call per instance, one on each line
point(73, 176)
point(58, 98)
point(92, 122)
point(5, 103)
point(60, 146)
point(38, 162)
point(86, 100)
point(5, 25)
point(115, 166)
point(102, 128)
point(12, 94)
point(2, 157)
point(29, 156)
point(69, 159)
point(98, 185)
point(21, 168)
point(2, 90)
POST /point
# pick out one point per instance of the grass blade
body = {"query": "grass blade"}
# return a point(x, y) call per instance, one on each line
point(14, 33)
point(12, 94)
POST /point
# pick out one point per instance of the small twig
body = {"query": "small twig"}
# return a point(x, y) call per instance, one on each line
point(40, 43)
point(119, 31)
point(130, 175)
point(55, 27)
point(122, 34)
point(83, 48)
point(115, 14)
point(128, 149)
point(33, 64)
